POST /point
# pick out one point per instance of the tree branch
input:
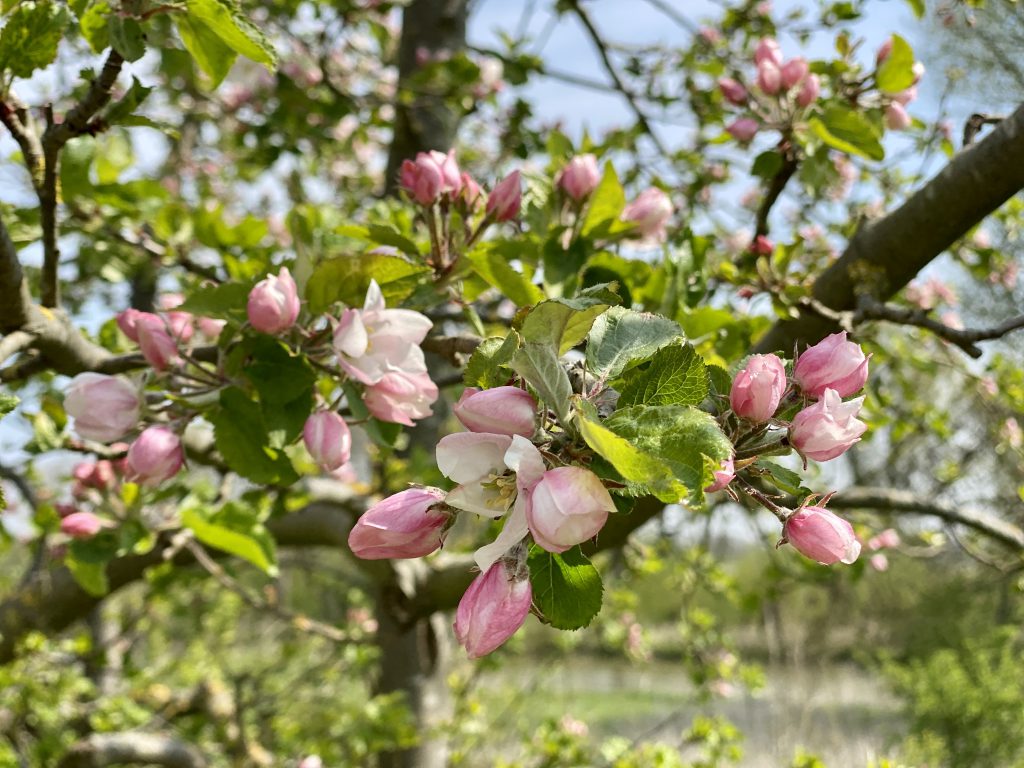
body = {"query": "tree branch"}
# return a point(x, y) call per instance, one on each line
point(885, 255)
point(609, 66)
point(132, 748)
point(890, 500)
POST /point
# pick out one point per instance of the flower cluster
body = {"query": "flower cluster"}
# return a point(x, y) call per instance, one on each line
point(782, 88)
point(162, 337)
point(896, 117)
point(825, 428)
point(499, 473)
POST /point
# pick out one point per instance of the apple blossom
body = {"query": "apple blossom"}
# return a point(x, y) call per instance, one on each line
point(155, 456)
point(794, 71)
point(401, 397)
point(832, 363)
point(156, 343)
point(375, 340)
point(500, 411)
point(818, 534)
point(422, 179)
point(769, 77)
point(733, 91)
point(127, 320)
point(723, 477)
point(768, 50)
point(743, 129)
point(327, 439)
point(104, 407)
point(896, 117)
point(828, 428)
point(758, 388)
point(579, 177)
point(568, 506)
point(408, 524)
point(887, 539)
point(493, 609)
point(505, 199)
point(81, 525)
point(650, 212)
point(809, 91)
point(273, 305)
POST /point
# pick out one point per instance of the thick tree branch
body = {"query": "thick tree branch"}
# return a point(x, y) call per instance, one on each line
point(886, 254)
point(52, 599)
point(132, 748)
point(899, 501)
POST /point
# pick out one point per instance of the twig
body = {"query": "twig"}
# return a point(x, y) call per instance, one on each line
point(975, 123)
point(609, 66)
point(775, 189)
point(13, 343)
point(299, 621)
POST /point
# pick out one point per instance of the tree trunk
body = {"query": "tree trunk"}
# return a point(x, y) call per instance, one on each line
point(424, 119)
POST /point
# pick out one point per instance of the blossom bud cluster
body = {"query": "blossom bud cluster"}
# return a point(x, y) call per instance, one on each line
point(161, 336)
point(896, 116)
point(434, 177)
point(781, 87)
point(499, 473)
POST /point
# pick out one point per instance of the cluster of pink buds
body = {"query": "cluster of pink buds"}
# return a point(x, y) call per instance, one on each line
point(896, 117)
point(781, 89)
point(825, 373)
point(499, 473)
point(162, 336)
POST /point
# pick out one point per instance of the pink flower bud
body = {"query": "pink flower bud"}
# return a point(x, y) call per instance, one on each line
point(126, 322)
point(422, 179)
point(580, 177)
point(492, 609)
point(879, 563)
point(906, 96)
point(710, 35)
point(758, 388)
point(312, 761)
point(832, 363)
point(744, 129)
point(887, 539)
point(723, 477)
point(504, 202)
point(883, 51)
point(768, 50)
point(896, 117)
point(651, 212)
point(762, 246)
point(794, 71)
point(81, 525)
point(104, 407)
point(499, 411)
point(94, 474)
point(157, 345)
point(155, 456)
point(471, 194)
point(400, 397)
point(64, 509)
point(274, 303)
point(733, 91)
point(407, 524)
point(568, 506)
point(180, 326)
point(769, 77)
point(451, 176)
point(327, 439)
point(822, 536)
point(211, 328)
point(809, 91)
point(828, 428)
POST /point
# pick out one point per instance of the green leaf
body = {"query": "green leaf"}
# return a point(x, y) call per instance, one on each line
point(643, 472)
point(7, 403)
point(848, 131)
point(567, 588)
point(784, 479)
point(540, 366)
point(126, 37)
point(621, 337)
point(30, 37)
point(679, 436)
point(241, 437)
point(94, 25)
point(606, 206)
point(491, 262)
point(225, 19)
point(562, 323)
point(212, 54)
point(767, 164)
point(896, 73)
point(237, 543)
point(346, 278)
point(675, 376)
point(285, 386)
point(378, 233)
point(918, 7)
point(122, 110)
point(225, 302)
point(92, 577)
point(488, 365)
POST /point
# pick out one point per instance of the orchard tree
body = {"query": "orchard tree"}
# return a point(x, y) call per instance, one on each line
point(293, 276)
